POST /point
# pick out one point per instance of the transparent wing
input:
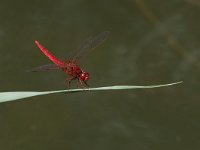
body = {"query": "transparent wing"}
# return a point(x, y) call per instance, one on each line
point(90, 44)
point(44, 68)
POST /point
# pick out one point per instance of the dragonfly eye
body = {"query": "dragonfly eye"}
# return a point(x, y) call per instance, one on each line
point(84, 76)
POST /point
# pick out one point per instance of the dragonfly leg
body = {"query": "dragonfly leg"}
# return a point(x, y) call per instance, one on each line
point(82, 84)
point(86, 84)
point(69, 81)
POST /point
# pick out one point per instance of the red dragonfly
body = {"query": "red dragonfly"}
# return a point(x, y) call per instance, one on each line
point(71, 66)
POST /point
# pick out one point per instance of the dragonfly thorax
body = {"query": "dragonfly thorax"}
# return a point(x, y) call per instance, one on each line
point(75, 71)
point(82, 75)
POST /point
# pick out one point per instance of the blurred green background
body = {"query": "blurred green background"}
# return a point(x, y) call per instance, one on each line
point(151, 42)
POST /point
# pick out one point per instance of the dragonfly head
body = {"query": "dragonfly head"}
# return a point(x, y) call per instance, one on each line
point(84, 76)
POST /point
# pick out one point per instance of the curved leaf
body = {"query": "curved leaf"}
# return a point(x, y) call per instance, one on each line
point(10, 96)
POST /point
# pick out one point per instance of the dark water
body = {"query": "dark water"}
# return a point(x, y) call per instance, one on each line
point(151, 42)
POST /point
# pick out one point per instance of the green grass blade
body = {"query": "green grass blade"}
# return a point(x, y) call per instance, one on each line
point(11, 96)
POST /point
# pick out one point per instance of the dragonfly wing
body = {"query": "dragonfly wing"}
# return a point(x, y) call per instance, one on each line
point(90, 44)
point(44, 68)
point(85, 44)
